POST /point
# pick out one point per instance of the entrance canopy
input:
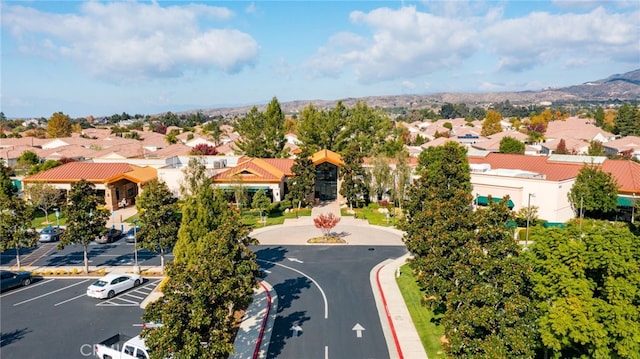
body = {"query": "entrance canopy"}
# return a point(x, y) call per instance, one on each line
point(484, 201)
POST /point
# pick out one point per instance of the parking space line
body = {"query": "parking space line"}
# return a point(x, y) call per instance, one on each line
point(25, 288)
point(113, 302)
point(70, 299)
point(55, 291)
point(42, 255)
point(131, 295)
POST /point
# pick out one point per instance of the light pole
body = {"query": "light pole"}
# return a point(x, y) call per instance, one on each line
point(57, 217)
point(526, 238)
point(136, 268)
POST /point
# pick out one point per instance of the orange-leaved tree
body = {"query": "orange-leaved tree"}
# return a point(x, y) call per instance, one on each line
point(326, 222)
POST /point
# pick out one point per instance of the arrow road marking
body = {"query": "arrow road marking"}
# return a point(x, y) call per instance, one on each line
point(359, 329)
point(296, 329)
point(295, 260)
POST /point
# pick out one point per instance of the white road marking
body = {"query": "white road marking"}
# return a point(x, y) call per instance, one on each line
point(25, 288)
point(358, 329)
point(70, 299)
point(295, 260)
point(55, 291)
point(326, 352)
point(324, 297)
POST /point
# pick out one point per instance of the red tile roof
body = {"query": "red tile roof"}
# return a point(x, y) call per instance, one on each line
point(256, 170)
point(75, 171)
point(625, 172)
point(554, 171)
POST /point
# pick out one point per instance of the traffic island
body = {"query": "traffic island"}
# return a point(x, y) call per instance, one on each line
point(327, 240)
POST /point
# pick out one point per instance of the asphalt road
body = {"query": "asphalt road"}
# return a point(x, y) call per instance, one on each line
point(111, 254)
point(326, 307)
point(53, 318)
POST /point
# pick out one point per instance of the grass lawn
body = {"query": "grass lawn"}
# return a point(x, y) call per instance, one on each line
point(40, 221)
point(252, 217)
point(429, 332)
point(372, 216)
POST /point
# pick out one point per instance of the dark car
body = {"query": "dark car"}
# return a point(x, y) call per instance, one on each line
point(130, 235)
point(10, 279)
point(111, 235)
point(50, 234)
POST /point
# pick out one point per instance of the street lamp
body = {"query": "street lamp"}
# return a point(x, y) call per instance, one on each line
point(526, 239)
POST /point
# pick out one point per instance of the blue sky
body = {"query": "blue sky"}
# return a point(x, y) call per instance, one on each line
point(102, 58)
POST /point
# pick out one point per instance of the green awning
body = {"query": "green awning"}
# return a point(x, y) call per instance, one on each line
point(554, 224)
point(625, 201)
point(484, 201)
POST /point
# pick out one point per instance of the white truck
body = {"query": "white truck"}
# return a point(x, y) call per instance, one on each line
point(121, 346)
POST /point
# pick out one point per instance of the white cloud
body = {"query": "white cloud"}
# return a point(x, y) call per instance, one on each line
point(404, 43)
point(540, 38)
point(129, 41)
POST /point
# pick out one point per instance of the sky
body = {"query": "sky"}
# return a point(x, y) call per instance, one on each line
point(102, 58)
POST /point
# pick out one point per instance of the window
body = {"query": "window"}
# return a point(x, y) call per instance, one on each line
point(129, 350)
point(140, 354)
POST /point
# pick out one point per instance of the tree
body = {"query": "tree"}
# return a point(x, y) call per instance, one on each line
point(172, 137)
point(489, 313)
point(44, 196)
point(7, 188)
point(202, 149)
point(594, 193)
point(159, 221)
point(511, 145)
point(585, 281)
point(381, 178)
point(561, 149)
point(59, 125)
point(303, 180)
point(595, 148)
point(491, 124)
point(86, 218)
point(627, 120)
point(354, 178)
point(599, 116)
point(16, 231)
point(326, 222)
point(260, 201)
point(401, 178)
point(212, 275)
point(438, 219)
point(364, 126)
point(262, 134)
point(467, 262)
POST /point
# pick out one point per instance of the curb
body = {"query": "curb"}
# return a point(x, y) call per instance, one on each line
point(254, 334)
point(398, 327)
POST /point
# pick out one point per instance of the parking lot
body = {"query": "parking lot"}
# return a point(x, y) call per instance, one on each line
point(53, 318)
point(118, 253)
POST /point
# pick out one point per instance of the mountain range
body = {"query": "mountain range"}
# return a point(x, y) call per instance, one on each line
point(622, 87)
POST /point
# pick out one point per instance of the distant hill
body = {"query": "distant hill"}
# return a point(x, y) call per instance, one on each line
point(624, 87)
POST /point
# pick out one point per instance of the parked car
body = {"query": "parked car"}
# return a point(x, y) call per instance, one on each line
point(50, 234)
point(10, 279)
point(130, 235)
point(111, 235)
point(112, 284)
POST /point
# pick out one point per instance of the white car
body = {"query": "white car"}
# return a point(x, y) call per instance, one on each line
point(112, 284)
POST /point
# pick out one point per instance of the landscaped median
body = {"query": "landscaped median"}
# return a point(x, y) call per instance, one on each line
point(71, 271)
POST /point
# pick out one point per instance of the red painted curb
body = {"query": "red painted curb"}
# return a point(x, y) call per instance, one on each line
point(386, 310)
point(256, 352)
